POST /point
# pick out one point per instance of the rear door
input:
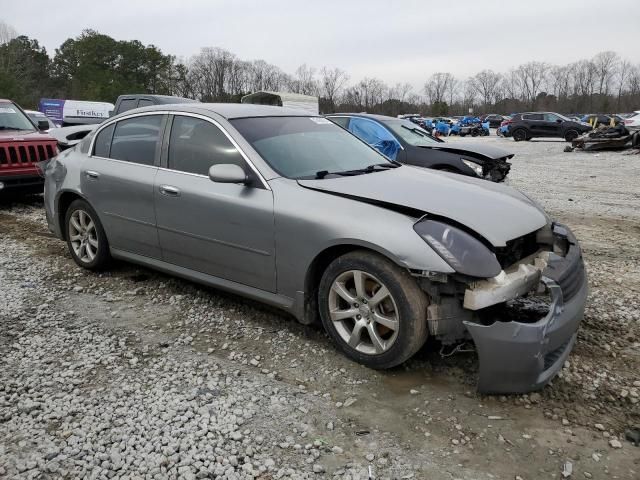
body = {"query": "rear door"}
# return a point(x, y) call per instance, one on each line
point(224, 230)
point(118, 178)
point(535, 123)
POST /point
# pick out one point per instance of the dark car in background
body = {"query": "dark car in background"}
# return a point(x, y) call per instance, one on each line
point(407, 143)
point(528, 125)
point(494, 119)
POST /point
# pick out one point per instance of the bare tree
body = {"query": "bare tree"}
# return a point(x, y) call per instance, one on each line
point(304, 81)
point(486, 85)
point(437, 87)
point(7, 33)
point(605, 63)
point(332, 81)
point(532, 76)
point(624, 69)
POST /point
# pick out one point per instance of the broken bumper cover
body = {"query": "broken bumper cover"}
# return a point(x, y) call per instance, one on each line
point(518, 357)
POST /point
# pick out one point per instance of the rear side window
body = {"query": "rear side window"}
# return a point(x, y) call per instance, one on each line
point(136, 139)
point(127, 104)
point(195, 145)
point(103, 142)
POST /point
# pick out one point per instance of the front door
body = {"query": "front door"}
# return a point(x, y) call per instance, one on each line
point(224, 230)
point(118, 180)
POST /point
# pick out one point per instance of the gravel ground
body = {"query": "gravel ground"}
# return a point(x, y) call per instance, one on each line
point(133, 374)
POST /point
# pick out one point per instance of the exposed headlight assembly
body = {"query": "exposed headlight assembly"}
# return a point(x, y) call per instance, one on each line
point(463, 252)
point(473, 166)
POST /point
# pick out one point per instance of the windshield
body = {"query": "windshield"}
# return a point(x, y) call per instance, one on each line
point(411, 133)
point(303, 147)
point(11, 118)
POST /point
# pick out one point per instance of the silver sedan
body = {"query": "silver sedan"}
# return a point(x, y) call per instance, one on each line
point(292, 210)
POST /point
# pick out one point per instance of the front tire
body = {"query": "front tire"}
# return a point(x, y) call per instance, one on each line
point(519, 134)
point(86, 239)
point(373, 310)
point(571, 135)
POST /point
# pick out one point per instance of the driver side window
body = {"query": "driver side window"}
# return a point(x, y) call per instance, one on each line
point(550, 117)
point(195, 145)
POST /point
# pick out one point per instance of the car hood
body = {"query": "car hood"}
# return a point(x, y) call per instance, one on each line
point(23, 136)
point(473, 149)
point(496, 212)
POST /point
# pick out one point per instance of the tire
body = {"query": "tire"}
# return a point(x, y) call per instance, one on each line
point(348, 316)
point(519, 134)
point(474, 133)
point(85, 235)
point(571, 135)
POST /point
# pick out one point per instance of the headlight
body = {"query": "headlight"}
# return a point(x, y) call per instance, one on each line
point(473, 166)
point(463, 252)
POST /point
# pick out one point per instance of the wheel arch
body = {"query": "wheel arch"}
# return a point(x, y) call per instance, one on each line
point(64, 200)
point(319, 264)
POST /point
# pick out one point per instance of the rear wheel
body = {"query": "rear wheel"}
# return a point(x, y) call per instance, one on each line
point(519, 134)
point(571, 135)
point(86, 239)
point(373, 310)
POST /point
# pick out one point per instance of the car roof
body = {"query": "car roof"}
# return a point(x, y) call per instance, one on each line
point(380, 118)
point(227, 110)
point(34, 112)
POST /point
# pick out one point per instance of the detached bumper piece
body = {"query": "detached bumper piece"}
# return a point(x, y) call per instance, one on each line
point(520, 357)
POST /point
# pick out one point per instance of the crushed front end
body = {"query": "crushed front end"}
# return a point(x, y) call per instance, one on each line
point(524, 320)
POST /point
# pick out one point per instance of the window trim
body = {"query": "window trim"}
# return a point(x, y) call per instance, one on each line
point(165, 164)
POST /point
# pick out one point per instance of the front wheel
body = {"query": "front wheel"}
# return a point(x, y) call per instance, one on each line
point(571, 135)
point(373, 310)
point(519, 134)
point(86, 239)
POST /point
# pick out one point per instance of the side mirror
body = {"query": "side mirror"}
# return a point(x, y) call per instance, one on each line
point(43, 125)
point(228, 173)
point(559, 120)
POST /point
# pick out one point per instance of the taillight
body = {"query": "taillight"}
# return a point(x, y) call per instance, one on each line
point(628, 122)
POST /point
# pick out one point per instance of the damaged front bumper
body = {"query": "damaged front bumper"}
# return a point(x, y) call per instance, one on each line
point(519, 356)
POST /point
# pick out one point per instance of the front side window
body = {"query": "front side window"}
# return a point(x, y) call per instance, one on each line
point(342, 121)
point(127, 104)
point(533, 116)
point(551, 117)
point(144, 103)
point(136, 139)
point(195, 145)
point(301, 147)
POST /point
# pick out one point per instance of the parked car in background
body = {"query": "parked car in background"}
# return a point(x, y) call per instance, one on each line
point(405, 142)
point(291, 210)
point(598, 119)
point(68, 137)
point(528, 125)
point(633, 122)
point(37, 117)
point(494, 119)
point(23, 144)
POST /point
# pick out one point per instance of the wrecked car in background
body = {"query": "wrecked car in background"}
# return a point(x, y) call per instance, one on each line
point(407, 143)
point(292, 210)
point(22, 145)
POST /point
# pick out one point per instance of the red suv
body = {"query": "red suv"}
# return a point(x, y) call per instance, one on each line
point(22, 146)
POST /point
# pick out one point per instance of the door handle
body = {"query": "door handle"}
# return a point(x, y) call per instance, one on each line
point(169, 190)
point(92, 175)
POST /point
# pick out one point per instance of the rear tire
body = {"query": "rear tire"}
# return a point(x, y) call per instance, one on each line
point(571, 135)
point(85, 235)
point(520, 134)
point(372, 309)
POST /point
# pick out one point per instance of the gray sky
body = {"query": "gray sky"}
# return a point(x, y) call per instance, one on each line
point(394, 40)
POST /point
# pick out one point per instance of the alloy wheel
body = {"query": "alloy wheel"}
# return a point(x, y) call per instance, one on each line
point(83, 236)
point(363, 312)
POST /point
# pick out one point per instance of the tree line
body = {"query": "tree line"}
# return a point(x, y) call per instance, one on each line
point(97, 67)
